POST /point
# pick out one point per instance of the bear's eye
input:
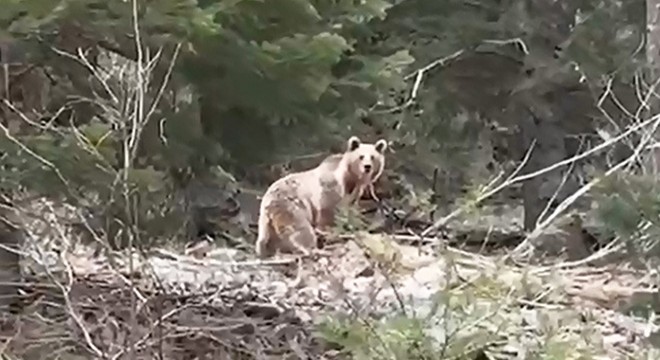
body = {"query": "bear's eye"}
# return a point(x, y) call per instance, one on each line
point(361, 157)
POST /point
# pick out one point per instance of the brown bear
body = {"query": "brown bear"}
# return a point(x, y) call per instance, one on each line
point(296, 204)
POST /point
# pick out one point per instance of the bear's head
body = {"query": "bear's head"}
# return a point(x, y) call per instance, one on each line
point(365, 161)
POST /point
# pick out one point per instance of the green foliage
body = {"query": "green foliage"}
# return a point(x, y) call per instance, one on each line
point(617, 28)
point(39, 165)
point(399, 338)
point(290, 62)
point(251, 78)
point(628, 206)
point(276, 72)
point(90, 173)
point(349, 220)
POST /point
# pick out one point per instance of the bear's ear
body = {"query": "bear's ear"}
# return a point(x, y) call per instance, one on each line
point(381, 145)
point(353, 143)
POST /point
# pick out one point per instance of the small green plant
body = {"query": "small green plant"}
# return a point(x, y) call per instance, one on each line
point(628, 206)
point(349, 220)
point(398, 338)
point(470, 199)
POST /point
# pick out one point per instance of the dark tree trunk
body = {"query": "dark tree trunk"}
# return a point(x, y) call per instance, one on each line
point(652, 161)
point(540, 107)
point(540, 124)
point(10, 272)
point(10, 234)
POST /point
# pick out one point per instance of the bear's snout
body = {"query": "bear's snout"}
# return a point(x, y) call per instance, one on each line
point(367, 168)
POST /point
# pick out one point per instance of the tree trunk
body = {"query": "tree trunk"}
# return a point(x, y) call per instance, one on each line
point(10, 272)
point(652, 162)
point(537, 100)
point(653, 37)
point(10, 234)
point(541, 125)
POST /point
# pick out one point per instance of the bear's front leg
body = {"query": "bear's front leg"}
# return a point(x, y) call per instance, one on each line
point(326, 218)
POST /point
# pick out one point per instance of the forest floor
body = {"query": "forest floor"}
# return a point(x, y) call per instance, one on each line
point(376, 296)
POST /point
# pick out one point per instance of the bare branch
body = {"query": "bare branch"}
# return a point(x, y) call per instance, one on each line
point(419, 77)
